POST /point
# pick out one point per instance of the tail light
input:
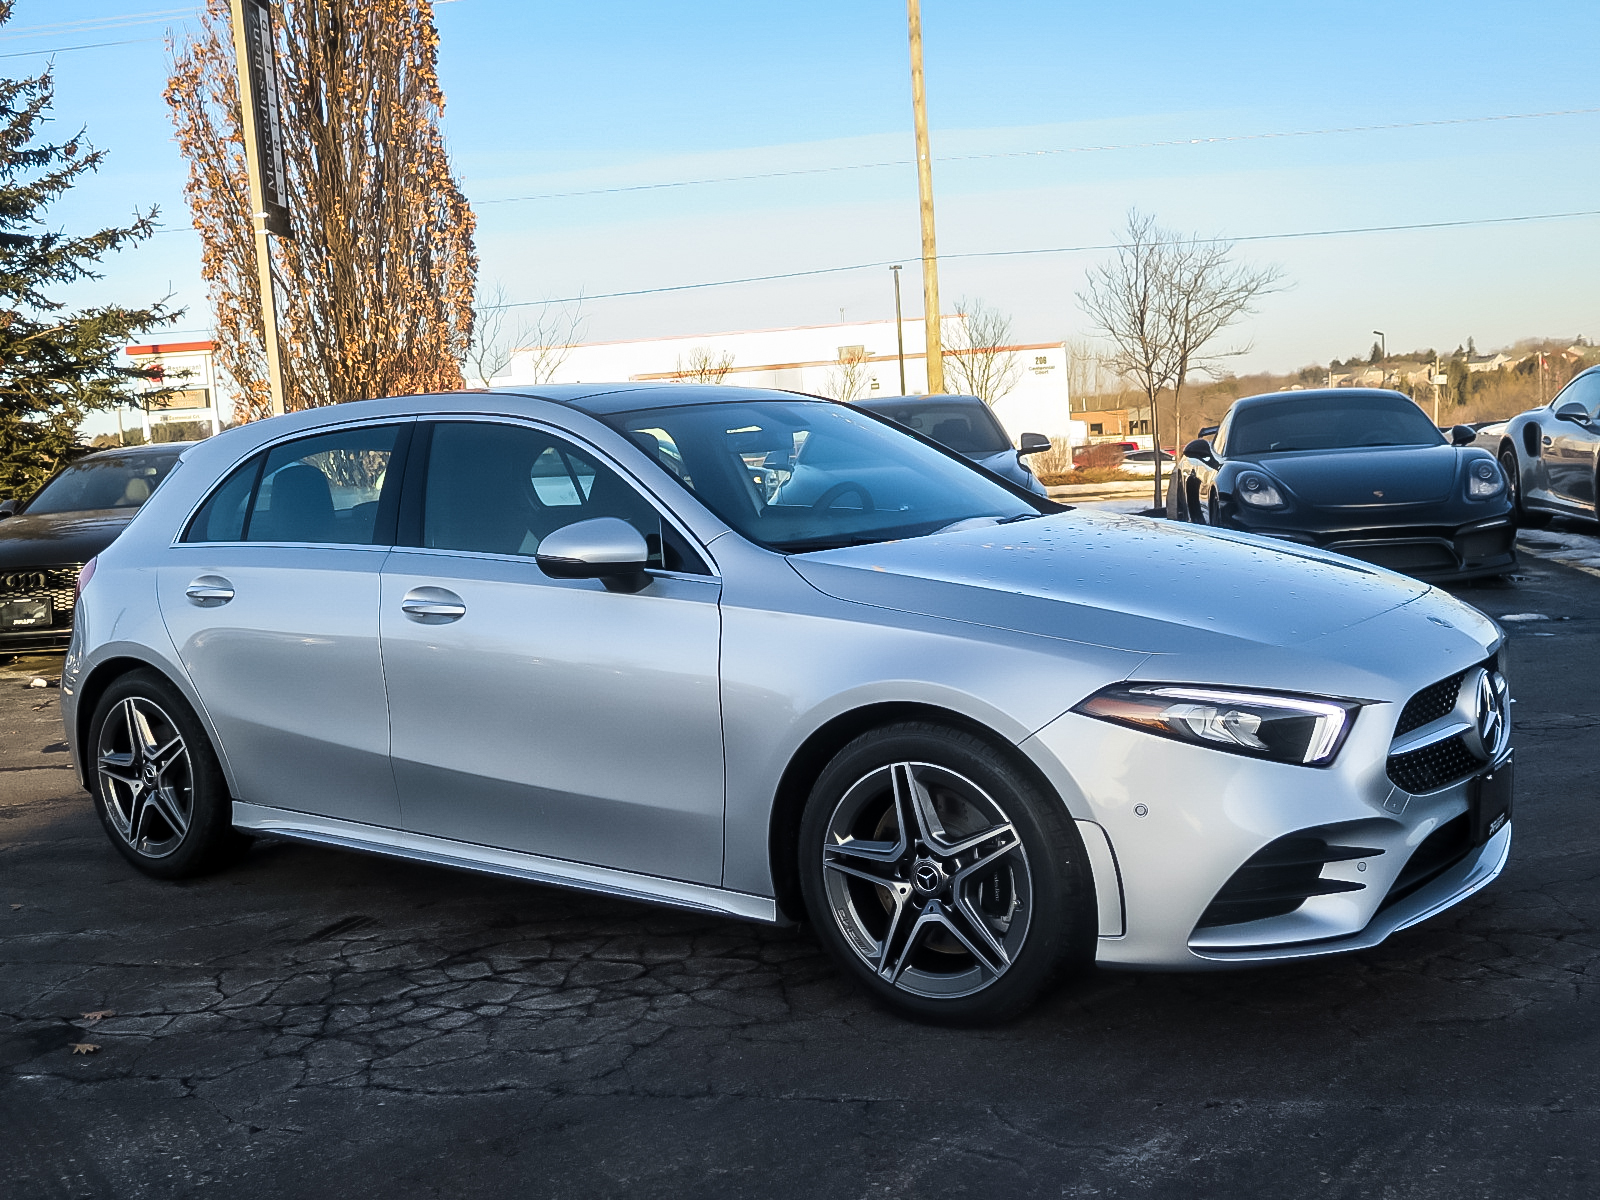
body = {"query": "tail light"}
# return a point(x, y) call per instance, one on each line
point(85, 573)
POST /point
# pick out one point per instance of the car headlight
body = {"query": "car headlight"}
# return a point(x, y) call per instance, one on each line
point(1484, 479)
point(1257, 490)
point(1291, 729)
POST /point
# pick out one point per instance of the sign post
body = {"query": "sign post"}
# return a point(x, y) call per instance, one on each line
point(263, 156)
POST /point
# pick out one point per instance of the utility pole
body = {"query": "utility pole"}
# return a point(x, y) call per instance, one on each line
point(263, 157)
point(934, 343)
point(899, 328)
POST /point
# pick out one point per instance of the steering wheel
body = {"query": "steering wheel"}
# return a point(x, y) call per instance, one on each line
point(825, 501)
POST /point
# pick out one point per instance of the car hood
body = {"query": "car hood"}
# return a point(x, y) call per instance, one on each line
point(1121, 581)
point(59, 539)
point(1367, 475)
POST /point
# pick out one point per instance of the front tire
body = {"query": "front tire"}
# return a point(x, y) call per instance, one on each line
point(158, 787)
point(1525, 517)
point(942, 877)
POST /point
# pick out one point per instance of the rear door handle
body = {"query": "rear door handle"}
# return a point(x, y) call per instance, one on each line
point(209, 591)
point(432, 605)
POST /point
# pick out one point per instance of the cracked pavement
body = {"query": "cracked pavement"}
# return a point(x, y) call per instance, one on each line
point(318, 1023)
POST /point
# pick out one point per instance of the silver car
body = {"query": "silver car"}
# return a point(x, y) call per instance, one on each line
point(771, 657)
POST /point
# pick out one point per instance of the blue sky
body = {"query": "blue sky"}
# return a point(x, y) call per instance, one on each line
point(558, 98)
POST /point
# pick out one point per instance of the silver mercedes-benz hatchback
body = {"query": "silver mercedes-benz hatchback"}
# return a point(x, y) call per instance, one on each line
point(774, 657)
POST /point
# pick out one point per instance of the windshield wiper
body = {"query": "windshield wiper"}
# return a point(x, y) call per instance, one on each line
point(1018, 517)
point(806, 545)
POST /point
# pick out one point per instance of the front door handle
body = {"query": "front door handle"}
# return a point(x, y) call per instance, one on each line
point(1547, 439)
point(209, 591)
point(432, 605)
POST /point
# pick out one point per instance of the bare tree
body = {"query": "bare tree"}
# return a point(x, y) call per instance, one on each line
point(1162, 300)
point(847, 380)
point(976, 359)
point(543, 339)
point(375, 287)
point(704, 365)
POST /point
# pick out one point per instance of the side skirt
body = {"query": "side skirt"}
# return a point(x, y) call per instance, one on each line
point(488, 860)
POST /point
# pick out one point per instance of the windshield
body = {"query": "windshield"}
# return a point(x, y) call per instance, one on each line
point(805, 475)
point(115, 481)
point(964, 428)
point(1320, 423)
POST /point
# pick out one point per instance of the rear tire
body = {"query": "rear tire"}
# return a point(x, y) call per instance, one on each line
point(157, 784)
point(941, 877)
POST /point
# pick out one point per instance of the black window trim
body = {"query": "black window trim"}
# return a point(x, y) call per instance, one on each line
point(383, 524)
point(408, 532)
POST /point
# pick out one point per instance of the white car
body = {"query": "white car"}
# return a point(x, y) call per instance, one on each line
point(574, 636)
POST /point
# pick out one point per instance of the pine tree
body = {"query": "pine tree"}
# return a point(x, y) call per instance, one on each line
point(56, 366)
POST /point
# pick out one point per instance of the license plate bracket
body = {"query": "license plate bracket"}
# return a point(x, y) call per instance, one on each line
point(27, 612)
point(1489, 801)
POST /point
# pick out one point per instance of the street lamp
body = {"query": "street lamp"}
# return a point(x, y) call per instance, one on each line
point(1383, 344)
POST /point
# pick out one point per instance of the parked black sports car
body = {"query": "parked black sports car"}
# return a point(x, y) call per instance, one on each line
point(968, 426)
point(46, 539)
point(1551, 455)
point(1361, 472)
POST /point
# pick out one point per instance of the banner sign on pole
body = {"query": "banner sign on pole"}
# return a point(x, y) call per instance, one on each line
point(261, 66)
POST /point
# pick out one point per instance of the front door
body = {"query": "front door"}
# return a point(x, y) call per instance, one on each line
point(546, 715)
point(1570, 456)
point(272, 601)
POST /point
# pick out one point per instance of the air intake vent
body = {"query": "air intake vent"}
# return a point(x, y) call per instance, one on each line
point(1431, 703)
point(1279, 878)
point(1433, 766)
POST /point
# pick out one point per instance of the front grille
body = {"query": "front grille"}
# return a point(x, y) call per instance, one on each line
point(1401, 556)
point(57, 584)
point(1433, 766)
point(1432, 702)
point(1279, 878)
point(1440, 850)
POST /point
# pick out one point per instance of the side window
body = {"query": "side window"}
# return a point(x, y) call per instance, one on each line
point(1586, 391)
point(502, 489)
point(323, 490)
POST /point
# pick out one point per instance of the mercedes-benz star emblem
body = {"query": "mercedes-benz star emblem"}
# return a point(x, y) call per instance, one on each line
point(1491, 730)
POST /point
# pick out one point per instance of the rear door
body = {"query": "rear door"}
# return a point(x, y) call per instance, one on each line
point(272, 600)
point(553, 716)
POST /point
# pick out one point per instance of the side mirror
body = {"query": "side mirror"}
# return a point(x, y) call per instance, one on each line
point(1463, 435)
point(1200, 449)
point(605, 548)
point(8, 508)
point(1210, 431)
point(1573, 411)
point(1032, 443)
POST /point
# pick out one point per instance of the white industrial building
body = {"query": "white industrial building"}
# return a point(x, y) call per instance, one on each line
point(851, 361)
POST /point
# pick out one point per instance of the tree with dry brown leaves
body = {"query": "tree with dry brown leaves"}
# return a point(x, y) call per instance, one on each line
point(375, 287)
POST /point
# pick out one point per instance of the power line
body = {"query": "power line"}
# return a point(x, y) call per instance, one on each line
point(64, 49)
point(1255, 237)
point(90, 24)
point(1154, 145)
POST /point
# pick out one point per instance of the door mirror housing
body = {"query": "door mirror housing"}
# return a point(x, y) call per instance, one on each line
point(8, 508)
point(605, 548)
point(1032, 443)
point(1463, 435)
point(1574, 411)
point(1200, 449)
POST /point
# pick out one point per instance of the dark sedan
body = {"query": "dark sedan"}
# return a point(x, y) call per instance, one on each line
point(968, 426)
point(47, 538)
point(1357, 471)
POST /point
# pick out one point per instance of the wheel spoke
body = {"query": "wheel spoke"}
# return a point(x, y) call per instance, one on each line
point(978, 839)
point(165, 802)
point(119, 767)
point(139, 729)
point(883, 877)
point(893, 960)
point(975, 936)
point(165, 756)
point(914, 806)
point(1011, 842)
point(138, 816)
point(869, 851)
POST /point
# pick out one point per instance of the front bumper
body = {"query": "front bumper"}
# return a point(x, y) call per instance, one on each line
point(1432, 553)
point(1181, 821)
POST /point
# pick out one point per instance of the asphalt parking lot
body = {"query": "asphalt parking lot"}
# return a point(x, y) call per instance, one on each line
point(321, 1024)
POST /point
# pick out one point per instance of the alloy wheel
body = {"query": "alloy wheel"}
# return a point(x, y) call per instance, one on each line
point(146, 777)
point(927, 879)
